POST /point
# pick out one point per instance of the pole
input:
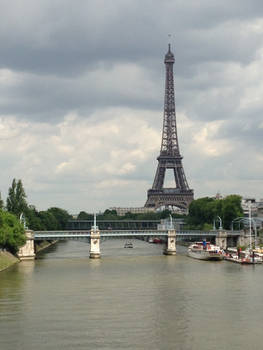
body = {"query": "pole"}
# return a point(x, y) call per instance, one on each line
point(220, 222)
point(95, 222)
point(255, 229)
point(250, 225)
point(171, 222)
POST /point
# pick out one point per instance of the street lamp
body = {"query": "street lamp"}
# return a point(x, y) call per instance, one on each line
point(220, 223)
point(171, 222)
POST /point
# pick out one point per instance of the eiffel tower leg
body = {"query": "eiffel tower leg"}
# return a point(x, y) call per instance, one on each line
point(171, 243)
point(159, 177)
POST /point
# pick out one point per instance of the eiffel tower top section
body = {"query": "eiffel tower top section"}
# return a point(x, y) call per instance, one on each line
point(169, 146)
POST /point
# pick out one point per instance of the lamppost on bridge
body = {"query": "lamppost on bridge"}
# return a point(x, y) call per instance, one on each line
point(220, 223)
point(171, 222)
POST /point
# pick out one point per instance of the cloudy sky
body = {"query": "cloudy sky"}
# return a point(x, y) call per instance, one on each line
point(82, 89)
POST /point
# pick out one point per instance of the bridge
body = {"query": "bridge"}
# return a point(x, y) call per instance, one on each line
point(94, 236)
point(75, 234)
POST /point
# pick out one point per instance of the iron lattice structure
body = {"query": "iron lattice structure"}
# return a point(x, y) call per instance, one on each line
point(179, 196)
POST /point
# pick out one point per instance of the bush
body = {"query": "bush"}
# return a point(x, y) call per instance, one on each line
point(12, 233)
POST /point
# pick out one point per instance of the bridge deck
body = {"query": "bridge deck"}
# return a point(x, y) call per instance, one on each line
point(41, 235)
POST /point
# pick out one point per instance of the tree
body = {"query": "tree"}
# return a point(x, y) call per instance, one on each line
point(11, 232)
point(85, 216)
point(203, 211)
point(61, 215)
point(33, 219)
point(231, 209)
point(16, 200)
point(1, 202)
point(48, 220)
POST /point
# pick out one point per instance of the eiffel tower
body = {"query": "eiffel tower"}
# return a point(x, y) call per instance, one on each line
point(179, 196)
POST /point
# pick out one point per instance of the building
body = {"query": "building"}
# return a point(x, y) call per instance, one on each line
point(134, 210)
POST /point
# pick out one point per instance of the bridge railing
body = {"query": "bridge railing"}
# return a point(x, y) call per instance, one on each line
point(59, 234)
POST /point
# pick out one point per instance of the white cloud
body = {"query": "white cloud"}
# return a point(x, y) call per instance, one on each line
point(78, 150)
point(208, 142)
point(81, 98)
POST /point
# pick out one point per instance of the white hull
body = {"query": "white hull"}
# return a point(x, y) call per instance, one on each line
point(205, 255)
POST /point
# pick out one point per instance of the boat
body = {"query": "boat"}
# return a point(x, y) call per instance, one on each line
point(128, 245)
point(157, 240)
point(205, 251)
point(244, 257)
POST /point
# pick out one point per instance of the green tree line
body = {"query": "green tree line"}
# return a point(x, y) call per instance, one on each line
point(12, 231)
point(112, 215)
point(202, 213)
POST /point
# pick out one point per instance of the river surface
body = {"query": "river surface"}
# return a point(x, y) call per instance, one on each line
point(130, 299)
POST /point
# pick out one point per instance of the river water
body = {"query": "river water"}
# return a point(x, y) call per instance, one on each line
point(130, 299)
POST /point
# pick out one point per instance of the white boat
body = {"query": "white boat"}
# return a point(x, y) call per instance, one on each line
point(128, 245)
point(243, 257)
point(205, 251)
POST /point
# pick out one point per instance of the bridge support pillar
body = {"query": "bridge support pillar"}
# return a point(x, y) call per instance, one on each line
point(244, 239)
point(221, 239)
point(94, 252)
point(27, 252)
point(171, 243)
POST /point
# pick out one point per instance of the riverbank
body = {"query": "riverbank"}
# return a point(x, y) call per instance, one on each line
point(6, 260)
point(43, 245)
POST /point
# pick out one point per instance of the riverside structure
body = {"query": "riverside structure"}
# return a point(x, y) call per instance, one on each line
point(222, 238)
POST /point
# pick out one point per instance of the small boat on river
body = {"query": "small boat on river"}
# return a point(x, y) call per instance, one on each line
point(205, 251)
point(128, 245)
point(157, 240)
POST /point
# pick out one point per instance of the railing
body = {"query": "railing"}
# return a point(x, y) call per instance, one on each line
point(40, 235)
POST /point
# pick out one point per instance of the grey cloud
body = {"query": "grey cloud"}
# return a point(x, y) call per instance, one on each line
point(59, 38)
point(56, 49)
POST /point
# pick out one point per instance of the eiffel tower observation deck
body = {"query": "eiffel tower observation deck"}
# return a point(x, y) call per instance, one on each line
point(179, 196)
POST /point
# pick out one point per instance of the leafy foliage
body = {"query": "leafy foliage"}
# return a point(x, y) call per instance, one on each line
point(203, 211)
point(16, 200)
point(1, 202)
point(11, 232)
point(52, 219)
point(112, 215)
point(61, 216)
point(85, 216)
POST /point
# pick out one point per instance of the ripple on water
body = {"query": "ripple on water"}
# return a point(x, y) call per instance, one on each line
point(130, 299)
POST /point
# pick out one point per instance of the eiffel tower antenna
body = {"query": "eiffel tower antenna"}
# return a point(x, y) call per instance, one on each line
point(170, 158)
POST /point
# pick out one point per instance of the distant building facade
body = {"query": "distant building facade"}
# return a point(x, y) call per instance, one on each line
point(134, 210)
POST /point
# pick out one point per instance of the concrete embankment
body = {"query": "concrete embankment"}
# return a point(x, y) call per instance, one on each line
point(6, 260)
point(43, 245)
